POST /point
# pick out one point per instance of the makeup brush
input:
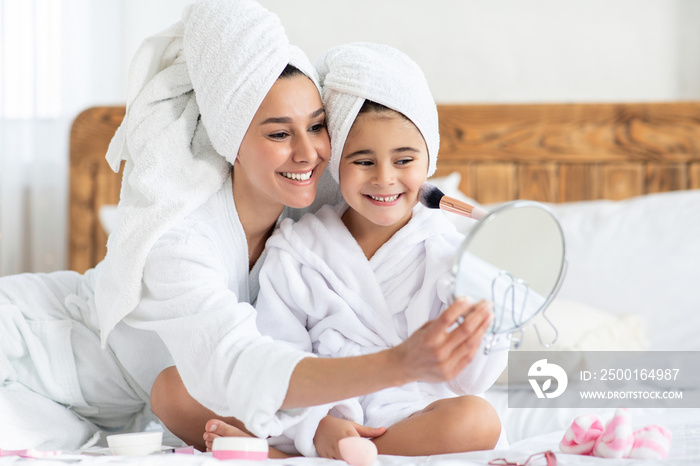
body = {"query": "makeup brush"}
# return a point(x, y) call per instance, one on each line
point(431, 197)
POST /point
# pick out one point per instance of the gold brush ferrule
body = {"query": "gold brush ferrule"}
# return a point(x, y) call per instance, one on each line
point(450, 204)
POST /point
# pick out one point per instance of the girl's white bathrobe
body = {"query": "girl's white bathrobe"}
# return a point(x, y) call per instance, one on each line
point(194, 313)
point(319, 292)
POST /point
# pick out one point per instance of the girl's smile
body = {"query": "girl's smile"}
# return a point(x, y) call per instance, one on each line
point(384, 200)
point(383, 165)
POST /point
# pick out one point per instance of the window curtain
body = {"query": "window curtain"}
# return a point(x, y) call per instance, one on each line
point(47, 56)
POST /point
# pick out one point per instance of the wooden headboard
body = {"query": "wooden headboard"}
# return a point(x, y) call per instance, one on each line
point(92, 184)
point(544, 152)
point(571, 152)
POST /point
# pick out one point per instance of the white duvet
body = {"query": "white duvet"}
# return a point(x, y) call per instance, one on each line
point(684, 424)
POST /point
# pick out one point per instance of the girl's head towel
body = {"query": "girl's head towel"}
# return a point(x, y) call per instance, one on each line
point(355, 72)
point(193, 90)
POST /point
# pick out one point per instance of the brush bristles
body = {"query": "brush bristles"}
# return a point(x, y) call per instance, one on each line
point(430, 196)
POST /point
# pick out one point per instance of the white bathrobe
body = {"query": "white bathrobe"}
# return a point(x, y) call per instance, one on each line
point(194, 312)
point(319, 292)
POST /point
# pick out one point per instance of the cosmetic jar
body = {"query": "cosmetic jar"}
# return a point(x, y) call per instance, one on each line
point(239, 448)
point(135, 444)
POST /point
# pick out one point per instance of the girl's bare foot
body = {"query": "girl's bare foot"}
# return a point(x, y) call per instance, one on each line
point(218, 428)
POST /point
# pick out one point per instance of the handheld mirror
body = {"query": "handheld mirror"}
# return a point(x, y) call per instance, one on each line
point(514, 257)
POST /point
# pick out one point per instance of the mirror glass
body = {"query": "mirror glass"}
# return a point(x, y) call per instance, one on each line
point(515, 258)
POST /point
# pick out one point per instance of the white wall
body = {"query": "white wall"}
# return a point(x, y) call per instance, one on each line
point(499, 50)
point(471, 51)
point(143, 18)
point(95, 58)
point(689, 49)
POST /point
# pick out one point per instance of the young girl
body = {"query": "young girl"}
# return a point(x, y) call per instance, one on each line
point(361, 276)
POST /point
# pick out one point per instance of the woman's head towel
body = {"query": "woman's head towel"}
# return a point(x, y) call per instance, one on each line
point(355, 72)
point(193, 91)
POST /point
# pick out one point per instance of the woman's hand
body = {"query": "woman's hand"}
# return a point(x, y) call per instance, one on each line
point(332, 429)
point(437, 353)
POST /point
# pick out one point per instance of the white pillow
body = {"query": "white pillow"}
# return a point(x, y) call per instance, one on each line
point(641, 256)
point(580, 327)
point(109, 219)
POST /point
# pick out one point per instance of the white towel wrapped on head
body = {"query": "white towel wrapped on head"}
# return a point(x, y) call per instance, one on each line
point(359, 71)
point(193, 91)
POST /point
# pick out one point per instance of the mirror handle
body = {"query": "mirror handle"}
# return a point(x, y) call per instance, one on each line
point(565, 265)
point(539, 336)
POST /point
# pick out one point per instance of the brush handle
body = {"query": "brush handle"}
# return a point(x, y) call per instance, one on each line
point(450, 204)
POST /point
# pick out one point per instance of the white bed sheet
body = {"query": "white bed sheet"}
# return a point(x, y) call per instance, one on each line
point(682, 453)
point(530, 430)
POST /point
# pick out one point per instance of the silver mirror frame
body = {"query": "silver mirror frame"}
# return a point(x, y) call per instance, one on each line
point(481, 225)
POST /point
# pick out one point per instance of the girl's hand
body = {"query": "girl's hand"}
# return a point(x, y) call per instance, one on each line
point(439, 350)
point(332, 429)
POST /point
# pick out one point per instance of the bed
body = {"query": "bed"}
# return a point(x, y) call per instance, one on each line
point(624, 181)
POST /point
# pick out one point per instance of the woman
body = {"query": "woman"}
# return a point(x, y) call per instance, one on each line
point(216, 145)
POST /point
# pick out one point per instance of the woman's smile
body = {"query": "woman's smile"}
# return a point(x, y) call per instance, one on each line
point(301, 177)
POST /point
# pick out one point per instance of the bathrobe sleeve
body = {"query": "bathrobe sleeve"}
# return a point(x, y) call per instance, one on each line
point(284, 301)
point(224, 361)
point(285, 304)
point(483, 370)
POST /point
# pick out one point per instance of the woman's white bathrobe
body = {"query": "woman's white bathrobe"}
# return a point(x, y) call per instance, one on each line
point(194, 313)
point(319, 293)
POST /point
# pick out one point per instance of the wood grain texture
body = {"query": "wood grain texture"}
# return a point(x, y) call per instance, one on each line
point(495, 182)
point(621, 180)
point(545, 152)
point(571, 133)
point(572, 152)
point(578, 182)
point(538, 181)
point(92, 184)
point(662, 177)
point(694, 174)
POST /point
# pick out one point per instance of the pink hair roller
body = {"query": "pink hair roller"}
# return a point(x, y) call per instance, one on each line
point(581, 436)
point(617, 438)
point(651, 442)
point(586, 436)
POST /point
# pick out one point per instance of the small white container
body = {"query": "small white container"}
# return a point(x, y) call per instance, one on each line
point(239, 448)
point(135, 444)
